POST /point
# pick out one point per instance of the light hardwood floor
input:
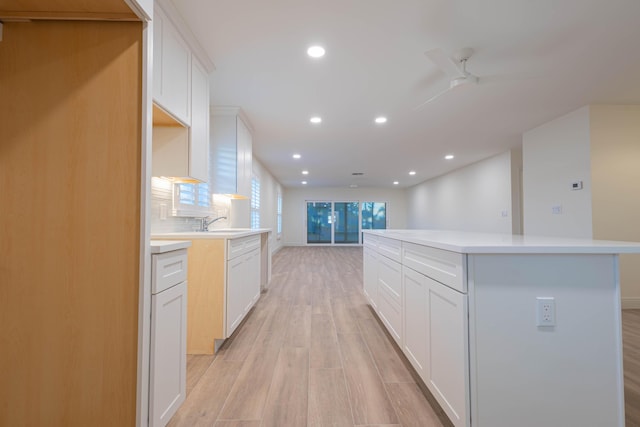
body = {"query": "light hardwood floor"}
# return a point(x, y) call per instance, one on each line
point(311, 353)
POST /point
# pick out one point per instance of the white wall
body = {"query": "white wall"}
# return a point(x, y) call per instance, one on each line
point(473, 198)
point(599, 145)
point(295, 208)
point(615, 172)
point(555, 154)
point(269, 189)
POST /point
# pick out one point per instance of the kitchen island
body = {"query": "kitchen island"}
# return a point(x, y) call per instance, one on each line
point(228, 269)
point(504, 330)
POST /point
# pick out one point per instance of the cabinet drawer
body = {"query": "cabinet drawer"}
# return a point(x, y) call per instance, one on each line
point(168, 269)
point(446, 267)
point(390, 279)
point(369, 240)
point(242, 245)
point(390, 248)
point(390, 313)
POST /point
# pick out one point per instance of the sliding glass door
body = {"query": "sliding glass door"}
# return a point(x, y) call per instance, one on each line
point(345, 226)
point(342, 222)
point(319, 220)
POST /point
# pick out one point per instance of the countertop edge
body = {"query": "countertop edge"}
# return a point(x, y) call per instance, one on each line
point(209, 235)
point(495, 243)
point(162, 246)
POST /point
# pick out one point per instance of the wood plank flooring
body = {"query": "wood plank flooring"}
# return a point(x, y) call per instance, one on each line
point(631, 352)
point(311, 353)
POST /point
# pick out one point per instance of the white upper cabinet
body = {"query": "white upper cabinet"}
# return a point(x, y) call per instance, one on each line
point(171, 69)
point(199, 131)
point(181, 105)
point(231, 158)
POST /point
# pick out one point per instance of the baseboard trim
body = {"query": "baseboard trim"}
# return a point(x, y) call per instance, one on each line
point(630, 303)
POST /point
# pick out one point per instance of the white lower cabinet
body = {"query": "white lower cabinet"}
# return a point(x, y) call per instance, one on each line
point(390, 296)
point(427, 318)
point(168, 355)
point(243, 280)
point(415, 319)
point(370, 276)
point(435, 340)
point(447, 373)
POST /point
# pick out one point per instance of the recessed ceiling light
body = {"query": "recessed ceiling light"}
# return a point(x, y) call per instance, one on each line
point(449, 156)
point(381, 119)
point(412, 172)
point(315, 120)
point(305, 172)
point(315, 51)
point(296, 156)
point(395, 183)
point(304, 182)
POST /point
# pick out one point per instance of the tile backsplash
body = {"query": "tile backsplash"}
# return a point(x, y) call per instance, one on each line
point(161, 207)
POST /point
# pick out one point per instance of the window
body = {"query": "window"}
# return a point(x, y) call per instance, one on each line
point(255, 202)
point(191, 199)
point(279, 216)
point(374, 215)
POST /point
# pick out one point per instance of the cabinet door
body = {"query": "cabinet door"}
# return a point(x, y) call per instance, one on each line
point(199, 131)
point(370, 276)
point(245, 159)
point(447, 360)
point(253, 278)
point(172, 69)
point(415, 286)
point(236, 279)
point(168, 380)
point(390, 296)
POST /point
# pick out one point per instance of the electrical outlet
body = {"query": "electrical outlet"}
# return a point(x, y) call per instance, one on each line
point(545, 311)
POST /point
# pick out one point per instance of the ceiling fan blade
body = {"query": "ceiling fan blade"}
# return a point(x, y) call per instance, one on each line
point(444, 62)
point(433, 98)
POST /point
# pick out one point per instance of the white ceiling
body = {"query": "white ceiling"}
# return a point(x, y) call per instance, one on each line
point(536, 59)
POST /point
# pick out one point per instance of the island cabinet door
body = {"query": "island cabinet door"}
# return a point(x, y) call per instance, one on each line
point(370, 275)
point(236, 293)
point(447, 361)
point(390, 296)
point(415, 319)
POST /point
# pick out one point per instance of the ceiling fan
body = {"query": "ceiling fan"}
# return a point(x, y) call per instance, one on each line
point(455, 68)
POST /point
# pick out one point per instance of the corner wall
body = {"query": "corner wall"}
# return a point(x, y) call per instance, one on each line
point(480, 197)
point(554, 155)
point(615, 172)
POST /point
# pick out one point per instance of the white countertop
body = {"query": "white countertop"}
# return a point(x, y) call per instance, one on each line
point(162, 246)
point(494, 243)
point(221, 233)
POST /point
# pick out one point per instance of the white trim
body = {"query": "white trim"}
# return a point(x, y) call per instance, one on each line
point(144, 295)
point(139, 10)
point(630, 303)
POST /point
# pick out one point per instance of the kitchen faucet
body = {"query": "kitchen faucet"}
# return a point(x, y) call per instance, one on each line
point(205, 224)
